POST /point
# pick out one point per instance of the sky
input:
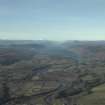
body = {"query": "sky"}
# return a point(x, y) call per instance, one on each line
point(52, 19)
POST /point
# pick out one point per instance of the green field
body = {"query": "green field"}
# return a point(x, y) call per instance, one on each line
point(95, 98)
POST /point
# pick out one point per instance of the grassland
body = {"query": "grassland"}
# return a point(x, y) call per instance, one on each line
point(97, 97)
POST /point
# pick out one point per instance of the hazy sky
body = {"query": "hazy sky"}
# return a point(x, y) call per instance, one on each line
point(52, 19)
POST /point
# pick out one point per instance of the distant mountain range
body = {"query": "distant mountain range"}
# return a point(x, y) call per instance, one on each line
point(77, 50)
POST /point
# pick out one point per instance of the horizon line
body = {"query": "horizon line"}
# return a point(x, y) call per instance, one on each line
point(47, 40)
